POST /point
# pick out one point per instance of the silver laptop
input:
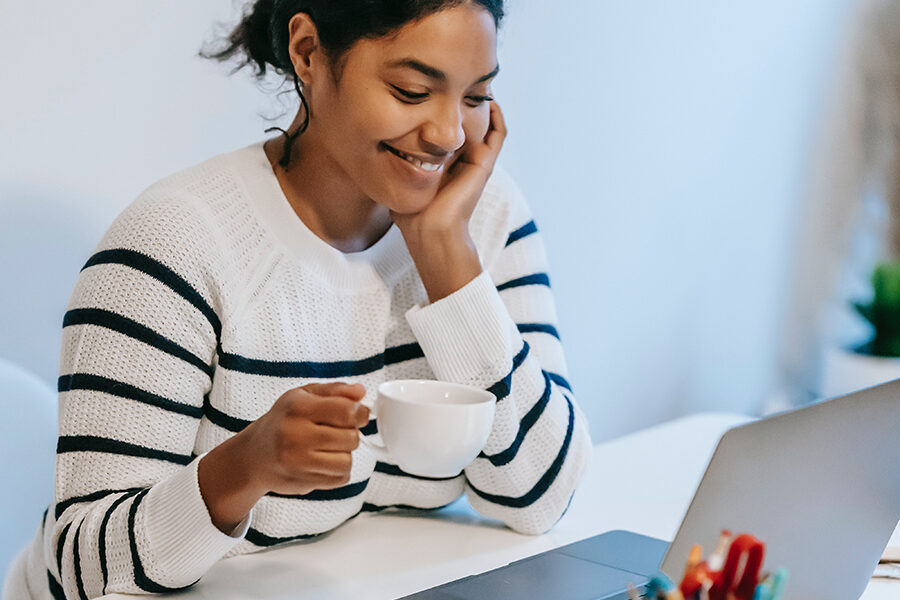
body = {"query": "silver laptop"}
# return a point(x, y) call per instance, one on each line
point(820, 485)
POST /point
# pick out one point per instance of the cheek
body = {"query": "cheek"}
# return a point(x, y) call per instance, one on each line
point(364, 117)
point(383, 121)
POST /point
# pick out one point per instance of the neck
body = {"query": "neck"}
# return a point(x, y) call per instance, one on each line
point(324, 197)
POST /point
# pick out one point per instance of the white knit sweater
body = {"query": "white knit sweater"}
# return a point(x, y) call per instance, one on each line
point(207, 299)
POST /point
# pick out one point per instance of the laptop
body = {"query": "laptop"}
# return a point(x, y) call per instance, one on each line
point(820, 485)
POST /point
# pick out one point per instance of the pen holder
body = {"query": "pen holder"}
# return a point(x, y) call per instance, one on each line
point(732, 572)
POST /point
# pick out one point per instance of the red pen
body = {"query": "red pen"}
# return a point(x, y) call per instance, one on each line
point(738, 578)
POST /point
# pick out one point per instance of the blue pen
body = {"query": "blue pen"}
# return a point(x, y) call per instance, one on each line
point(778, 584)
point(658, 586)
point(763, 591)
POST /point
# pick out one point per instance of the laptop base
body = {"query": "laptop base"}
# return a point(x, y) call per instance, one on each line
point(598, 568)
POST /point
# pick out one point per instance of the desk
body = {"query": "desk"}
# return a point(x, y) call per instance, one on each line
point(393, 554)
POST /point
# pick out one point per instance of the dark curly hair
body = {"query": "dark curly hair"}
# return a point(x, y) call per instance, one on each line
point(261, 37)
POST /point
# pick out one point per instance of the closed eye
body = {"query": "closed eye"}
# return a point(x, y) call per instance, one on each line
point(410, 95)
point(415, 97)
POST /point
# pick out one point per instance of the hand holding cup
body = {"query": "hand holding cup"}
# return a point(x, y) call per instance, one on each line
point(304, 441)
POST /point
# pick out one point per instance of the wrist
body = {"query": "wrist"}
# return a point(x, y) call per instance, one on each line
point(446, 260)
point(422, 236)
point(229, 486)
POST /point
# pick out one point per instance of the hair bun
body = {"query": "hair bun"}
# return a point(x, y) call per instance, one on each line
point(255, 39)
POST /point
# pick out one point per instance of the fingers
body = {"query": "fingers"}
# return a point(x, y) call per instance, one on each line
point(315, 456)
point(353, 391)
point(336, 411)
point(484, 154)
point(497, 129)
point(334, 439)
point(334, 404)
point(309, 435)
point(333, 464)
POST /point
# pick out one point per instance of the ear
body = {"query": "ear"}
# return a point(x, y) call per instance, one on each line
point(303, 46)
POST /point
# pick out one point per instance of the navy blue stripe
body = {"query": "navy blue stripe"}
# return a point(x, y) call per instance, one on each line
point(368, 507)
point(390, 469)
point(538, 327)
point(258, 538)
point(91, 443)
point(371, 428)
point(217, 417)
point(62, 506)
point(55, 589)
point(226, 421)
point(96, 383)
point(60, 544)
point(403, 353)
point(140, 577)
point(320, 370)
point(261, 539)
point(525, 425)
point(164, 274)
point(341, 493)
point(76, 561)
point(535, 279)
point(523, 231)
point(559, 380)
point(546, 479)
point(101, 535)
point(134, 330)
point(502, 388)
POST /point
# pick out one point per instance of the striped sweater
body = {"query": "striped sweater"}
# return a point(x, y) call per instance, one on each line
point(207, 299)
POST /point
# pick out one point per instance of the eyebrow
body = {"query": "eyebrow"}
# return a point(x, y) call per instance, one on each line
point(433, 72)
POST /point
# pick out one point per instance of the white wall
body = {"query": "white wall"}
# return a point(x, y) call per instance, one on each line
point(665, 149)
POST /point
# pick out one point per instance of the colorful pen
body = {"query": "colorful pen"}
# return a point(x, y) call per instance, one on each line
point(779, 581)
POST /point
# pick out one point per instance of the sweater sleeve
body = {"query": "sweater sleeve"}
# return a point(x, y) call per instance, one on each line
point(499, 332)
point(138, 353)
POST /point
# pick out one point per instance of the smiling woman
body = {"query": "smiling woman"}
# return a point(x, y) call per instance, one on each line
point(222, 346)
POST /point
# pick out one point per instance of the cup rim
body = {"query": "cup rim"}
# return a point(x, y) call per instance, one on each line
point(487, 396)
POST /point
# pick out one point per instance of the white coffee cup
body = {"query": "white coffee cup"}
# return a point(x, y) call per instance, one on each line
point(431, 428)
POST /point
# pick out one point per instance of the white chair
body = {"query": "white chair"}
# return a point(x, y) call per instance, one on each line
point(28, 446)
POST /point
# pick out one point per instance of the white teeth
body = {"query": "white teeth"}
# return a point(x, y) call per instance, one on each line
point(425, 166)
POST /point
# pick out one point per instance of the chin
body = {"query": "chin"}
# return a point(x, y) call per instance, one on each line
point(409, 202)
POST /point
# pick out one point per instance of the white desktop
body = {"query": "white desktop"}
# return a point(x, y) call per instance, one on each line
point(390, 555)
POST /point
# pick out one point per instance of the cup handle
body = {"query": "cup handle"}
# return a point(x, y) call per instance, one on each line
point(380, 452)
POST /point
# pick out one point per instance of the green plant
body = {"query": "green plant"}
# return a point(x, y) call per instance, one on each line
point(883, 312)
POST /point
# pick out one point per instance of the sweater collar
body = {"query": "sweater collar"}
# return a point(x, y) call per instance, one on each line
point(388, 256)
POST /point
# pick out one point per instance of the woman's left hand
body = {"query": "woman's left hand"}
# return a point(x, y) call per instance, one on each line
point(438, 236)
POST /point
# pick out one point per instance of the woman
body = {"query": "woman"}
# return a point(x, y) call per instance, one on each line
point(219, 343)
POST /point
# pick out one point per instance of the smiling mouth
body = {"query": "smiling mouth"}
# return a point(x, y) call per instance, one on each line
point(424, 165)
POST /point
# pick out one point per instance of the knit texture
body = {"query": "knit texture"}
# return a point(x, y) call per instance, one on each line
point(207, 299)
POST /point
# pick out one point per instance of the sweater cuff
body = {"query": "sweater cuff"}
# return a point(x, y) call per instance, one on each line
point(180, 531)
point(467, 337)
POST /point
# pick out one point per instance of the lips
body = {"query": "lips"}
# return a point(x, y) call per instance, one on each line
point(428, 165)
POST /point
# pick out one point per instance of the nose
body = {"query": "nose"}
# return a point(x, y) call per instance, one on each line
point(443, 130)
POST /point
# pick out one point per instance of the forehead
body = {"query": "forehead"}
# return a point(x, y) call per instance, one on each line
point(461, 41)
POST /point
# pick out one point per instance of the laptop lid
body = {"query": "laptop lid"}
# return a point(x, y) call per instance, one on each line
point(820, 485)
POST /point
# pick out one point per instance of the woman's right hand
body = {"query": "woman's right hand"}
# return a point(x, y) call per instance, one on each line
point(301, 444)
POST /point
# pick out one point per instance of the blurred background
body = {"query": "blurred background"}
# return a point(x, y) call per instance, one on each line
point(713, 180)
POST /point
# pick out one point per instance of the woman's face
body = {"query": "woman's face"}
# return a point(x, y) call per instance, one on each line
point(422, 94)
